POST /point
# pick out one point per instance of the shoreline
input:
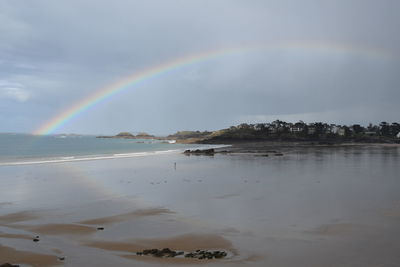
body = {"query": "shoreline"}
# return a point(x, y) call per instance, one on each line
point(260, 147)
point(65, 159)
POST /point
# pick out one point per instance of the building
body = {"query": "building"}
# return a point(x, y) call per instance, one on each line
point(311, 129)
point(295, 129)
point(342, 131)
point(334, 129)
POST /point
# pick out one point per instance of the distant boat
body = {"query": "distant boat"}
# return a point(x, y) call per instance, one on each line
point(171, 141)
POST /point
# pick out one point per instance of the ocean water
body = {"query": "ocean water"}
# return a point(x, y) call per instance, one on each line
point(17, 149)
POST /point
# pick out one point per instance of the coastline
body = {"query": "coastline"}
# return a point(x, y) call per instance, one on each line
point(262, 147)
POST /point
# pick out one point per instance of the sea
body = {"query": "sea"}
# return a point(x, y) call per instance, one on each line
point(20, 149)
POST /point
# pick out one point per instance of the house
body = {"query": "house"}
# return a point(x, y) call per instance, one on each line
point(334, 129)
point(311, 129)
point(342, 131)
point(296, 129)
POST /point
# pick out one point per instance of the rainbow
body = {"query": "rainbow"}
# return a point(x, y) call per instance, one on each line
point(136, 78)
point(132, 80)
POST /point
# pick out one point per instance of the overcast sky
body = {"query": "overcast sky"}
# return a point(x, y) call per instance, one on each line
point(55, 53)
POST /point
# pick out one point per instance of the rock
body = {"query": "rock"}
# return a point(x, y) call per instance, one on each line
point(36, 239)
point(189, 255)
point(61, 258)
point(278, 154)
point(153, 251)
point(169, 253)
point(8, 265)
point(210, 151)
point(100, 228)
point(166, 250)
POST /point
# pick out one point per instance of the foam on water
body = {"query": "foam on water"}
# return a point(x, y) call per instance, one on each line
point(86, 158)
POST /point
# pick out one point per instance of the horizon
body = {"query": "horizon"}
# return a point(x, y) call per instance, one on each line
point(200, 130)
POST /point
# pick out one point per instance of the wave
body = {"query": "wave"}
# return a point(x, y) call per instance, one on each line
point(87, 158)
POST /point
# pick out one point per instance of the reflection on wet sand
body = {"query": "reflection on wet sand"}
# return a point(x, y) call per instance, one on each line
point(58, 229)
point(394, 211)
point(127, 216)
point(17, 236)
point(18, 217)
point(336, 229)
point(316, 207)
point(8, 254)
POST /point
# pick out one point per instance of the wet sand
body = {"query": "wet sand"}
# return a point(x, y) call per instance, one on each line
point(18, 217)
point(8, 254)
point(314, 207)
point(126, 216)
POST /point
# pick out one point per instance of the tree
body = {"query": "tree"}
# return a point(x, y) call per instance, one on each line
point(357, 128)
point(384, 128)
point(260, 127)
point(395, 128)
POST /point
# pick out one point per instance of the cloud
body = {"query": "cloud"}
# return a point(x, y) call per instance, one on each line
point(14, 91)
point(64, 51)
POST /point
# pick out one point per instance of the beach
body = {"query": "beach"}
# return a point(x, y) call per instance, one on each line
point(277, 206)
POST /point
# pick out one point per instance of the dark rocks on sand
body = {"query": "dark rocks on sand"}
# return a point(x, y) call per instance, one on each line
point(206, 254)
point(36, 239)
point(168, 253)
point(100, 228)
point(8, 265)
point(165, 252)
point(210, 151)
point(61, 258)
point(278, 154)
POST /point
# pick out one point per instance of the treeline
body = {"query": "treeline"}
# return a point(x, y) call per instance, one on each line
point(300, 131)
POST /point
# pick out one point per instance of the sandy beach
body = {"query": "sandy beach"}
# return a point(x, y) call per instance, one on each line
point(311, 206)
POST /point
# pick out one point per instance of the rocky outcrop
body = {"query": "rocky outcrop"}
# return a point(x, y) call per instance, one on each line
point(124, 135)
point(128, 135)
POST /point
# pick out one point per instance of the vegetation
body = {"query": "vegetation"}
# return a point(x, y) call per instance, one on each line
point(188, 135)
point(278, 130)
point(300, 131)
point(125, 134)
point(144, 135)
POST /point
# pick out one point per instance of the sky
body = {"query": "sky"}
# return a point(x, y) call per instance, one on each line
point(336, 61)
